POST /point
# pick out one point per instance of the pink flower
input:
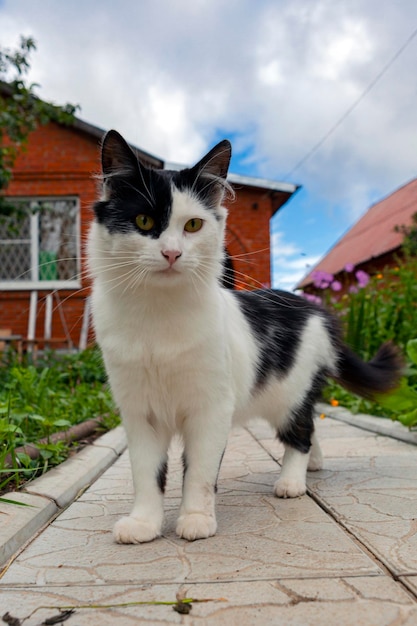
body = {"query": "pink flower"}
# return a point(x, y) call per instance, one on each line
point(336, 285)
point(321, 279)
point(310, 297)
point(349, 267)
point(353, 289)
point(363, 278)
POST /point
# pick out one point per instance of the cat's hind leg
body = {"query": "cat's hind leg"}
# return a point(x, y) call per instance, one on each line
point(302, 450)
point(292, 480)
point(315, 461)
point(148, 458)
point(296, 462)
point(297, 437)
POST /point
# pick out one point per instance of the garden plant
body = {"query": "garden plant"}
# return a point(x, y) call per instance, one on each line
point(373, 310)
point(38, 399)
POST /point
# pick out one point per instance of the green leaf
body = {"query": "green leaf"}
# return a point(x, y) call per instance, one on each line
point(402, 399)
point(46, 454)
point(412, 350)
point(7, 501)
point(409, 419)
point(61, 423)
point(6, 427)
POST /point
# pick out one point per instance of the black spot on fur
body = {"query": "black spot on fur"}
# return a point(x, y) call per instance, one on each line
point(277, 319)
point(218, 471)
point(162, 476)
point(184, 462)
point(206, 178)
point(300, 427)
point(228, 276)
point(146, 192)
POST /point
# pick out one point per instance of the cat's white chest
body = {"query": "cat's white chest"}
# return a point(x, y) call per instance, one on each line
point(163, 364)
point(146, 340)
point(130, 331)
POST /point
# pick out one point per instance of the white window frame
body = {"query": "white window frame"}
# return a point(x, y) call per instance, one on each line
point(34, 282)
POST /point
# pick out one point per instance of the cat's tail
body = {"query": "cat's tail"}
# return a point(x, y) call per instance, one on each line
point(380, 374)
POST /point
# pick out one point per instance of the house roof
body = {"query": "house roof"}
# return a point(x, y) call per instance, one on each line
point(98, 133)
point(373, 234)
point(279, 192)
point(262, 183)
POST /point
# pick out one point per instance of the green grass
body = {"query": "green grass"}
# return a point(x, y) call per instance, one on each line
point(42, 398)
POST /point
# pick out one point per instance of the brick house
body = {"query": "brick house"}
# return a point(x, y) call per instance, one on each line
point(43, 285)
point(372, 243)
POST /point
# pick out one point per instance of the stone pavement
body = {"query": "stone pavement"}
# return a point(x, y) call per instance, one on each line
point(345, 554)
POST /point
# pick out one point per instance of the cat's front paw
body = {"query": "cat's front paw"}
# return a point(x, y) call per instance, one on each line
point(134, 530)
point(289, 488)
point(194, 526)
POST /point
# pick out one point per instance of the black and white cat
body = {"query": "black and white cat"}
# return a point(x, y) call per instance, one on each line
point(185, 355)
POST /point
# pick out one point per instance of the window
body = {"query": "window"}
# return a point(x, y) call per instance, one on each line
point(39, 246)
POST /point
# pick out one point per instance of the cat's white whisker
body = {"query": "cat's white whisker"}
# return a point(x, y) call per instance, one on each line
point(245, 254)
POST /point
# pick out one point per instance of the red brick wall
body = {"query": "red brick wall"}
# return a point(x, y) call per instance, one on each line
point(66, 317)
point(58, 161)
point(62, 161)
point(248, 237)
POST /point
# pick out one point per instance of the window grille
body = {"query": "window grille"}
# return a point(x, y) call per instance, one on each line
point(39, 245)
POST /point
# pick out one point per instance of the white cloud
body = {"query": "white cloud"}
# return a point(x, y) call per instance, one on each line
point(288, 272)
point(290, 265)
point(281, 248)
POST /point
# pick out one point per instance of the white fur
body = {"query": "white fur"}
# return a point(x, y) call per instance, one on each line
point(181, 358)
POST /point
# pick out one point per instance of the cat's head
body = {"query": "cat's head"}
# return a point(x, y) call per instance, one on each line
point(159, 227)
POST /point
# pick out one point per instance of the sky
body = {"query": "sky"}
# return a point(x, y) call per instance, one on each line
point(320, 93)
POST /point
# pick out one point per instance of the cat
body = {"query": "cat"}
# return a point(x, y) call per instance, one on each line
point(186, 355)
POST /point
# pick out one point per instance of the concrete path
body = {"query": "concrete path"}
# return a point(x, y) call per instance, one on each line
point(345, 554)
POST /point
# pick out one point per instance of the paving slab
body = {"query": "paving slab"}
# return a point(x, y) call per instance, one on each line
point(63, 485)
point(369, 485)
point(378, 501)
point(265, 537)
point(52, 492)
point(410, 582)
point(344, 601)
point(18, 524)
point(344, 554)
point(383, 426)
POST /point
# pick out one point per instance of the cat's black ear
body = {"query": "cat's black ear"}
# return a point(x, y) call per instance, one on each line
point(116, 156)
point(216, 162)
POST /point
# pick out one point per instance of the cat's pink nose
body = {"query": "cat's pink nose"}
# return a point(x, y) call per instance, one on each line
point(171, 256)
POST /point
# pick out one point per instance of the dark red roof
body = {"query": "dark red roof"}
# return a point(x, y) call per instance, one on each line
point(373, 234)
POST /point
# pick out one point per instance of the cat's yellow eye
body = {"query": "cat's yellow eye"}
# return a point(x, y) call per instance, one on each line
point(144, 222)
point(193, 225)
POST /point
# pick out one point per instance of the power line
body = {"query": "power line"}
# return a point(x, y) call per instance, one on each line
point(353, 106)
